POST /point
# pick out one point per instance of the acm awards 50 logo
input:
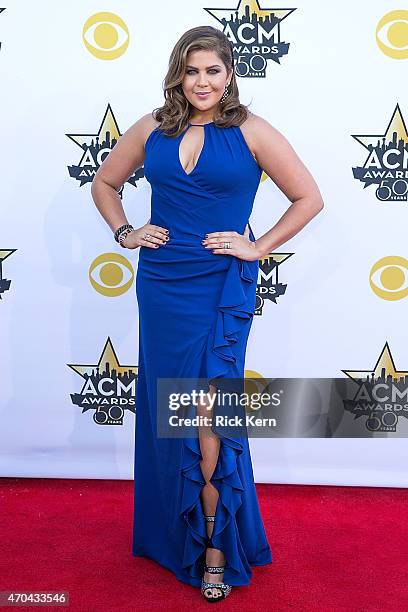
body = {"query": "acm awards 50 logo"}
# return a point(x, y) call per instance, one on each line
point(387, 162)
point(109, 388)
point(255, 34)
point(382, 394)
point(95, 147)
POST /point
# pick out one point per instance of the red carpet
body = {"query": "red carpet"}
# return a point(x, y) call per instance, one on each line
point(335, 549)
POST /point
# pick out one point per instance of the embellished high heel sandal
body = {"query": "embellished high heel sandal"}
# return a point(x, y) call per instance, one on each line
point(225, 589)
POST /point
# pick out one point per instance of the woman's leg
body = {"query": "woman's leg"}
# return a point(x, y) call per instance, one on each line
point(210, 446)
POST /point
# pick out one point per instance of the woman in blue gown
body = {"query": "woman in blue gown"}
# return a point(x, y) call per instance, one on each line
point(195, 507)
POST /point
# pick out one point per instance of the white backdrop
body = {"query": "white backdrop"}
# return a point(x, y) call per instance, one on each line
point(335, 81)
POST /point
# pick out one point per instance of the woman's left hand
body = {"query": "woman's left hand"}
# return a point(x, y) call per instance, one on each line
point(241, 246)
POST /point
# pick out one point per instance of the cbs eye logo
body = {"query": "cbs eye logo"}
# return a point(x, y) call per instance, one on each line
point(106, 36)
point(389, 278)
point(254, 383)
point(392, 34)
point(111, 274)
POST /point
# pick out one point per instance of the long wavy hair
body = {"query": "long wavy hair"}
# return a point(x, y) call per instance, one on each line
point(176, 111)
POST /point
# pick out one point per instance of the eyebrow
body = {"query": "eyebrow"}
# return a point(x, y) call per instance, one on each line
point(213, 66)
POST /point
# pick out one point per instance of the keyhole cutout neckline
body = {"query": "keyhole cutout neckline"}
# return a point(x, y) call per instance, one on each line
point(200, 124)
point(201, 150)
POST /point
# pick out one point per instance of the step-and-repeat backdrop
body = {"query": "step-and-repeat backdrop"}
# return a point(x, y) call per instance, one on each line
point(332, 301)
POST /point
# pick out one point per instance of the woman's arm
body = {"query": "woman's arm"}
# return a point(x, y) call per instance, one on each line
point(127, 156)
point(280, 162)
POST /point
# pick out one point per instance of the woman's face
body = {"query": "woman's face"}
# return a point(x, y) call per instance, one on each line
point(207, 75)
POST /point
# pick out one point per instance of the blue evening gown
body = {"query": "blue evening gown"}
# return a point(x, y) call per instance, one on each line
point(195, 313)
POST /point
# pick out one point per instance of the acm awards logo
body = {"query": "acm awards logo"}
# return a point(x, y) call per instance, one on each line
point(382, 394)
point(255, 34)
point(4, 282)
point(109, 388)
point(269, 287)
point(387, 162)
point(95, 147)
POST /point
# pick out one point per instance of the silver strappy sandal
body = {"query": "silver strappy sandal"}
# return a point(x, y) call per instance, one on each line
point(225, 589)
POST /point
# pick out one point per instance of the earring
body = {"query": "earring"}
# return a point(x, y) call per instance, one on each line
point(225, 94)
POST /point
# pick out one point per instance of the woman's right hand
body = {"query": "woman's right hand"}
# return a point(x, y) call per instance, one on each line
point(158, 236)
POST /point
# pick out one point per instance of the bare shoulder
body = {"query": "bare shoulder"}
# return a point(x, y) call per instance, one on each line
point(250, 130)
point(256, 129)
point(142, 128)
point(278, 159)
point(255, 123)
point(128, 154)
point(149, 123)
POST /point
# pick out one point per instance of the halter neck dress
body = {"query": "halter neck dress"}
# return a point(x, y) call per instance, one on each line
point(195, 313)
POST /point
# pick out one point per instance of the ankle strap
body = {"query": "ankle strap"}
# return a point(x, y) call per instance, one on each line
point(214, 569)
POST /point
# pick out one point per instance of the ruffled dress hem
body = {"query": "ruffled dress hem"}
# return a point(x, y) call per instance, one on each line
point(235, 309)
